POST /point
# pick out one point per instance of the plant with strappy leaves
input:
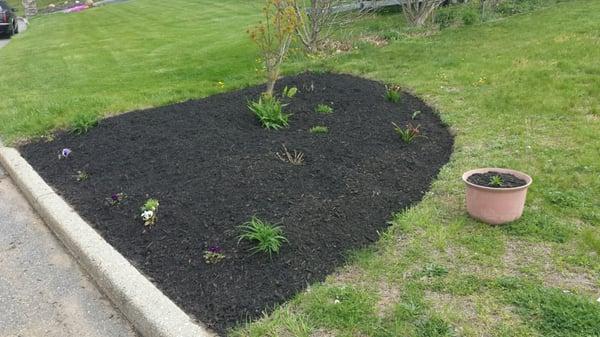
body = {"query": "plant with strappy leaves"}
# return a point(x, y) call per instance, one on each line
point(267, 238)
point(407, 134)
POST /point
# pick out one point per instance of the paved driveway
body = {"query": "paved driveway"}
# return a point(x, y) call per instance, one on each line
point(43, 291)
point(22, 28)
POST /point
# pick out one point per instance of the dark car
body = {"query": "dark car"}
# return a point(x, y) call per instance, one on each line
point(8, 20)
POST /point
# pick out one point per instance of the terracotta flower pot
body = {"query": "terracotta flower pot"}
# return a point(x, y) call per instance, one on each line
point(494, 205)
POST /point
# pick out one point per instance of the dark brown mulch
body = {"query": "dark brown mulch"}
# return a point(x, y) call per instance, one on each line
point(484, 179)
point(212, 167)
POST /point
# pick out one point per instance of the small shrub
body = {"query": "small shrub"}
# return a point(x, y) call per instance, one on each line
point(83, 123)
point(323, 109)
point(407, 134)
point(269, 111)
point(213, 255)
point(445, 17)
point(149, 210)
point(393, 94)
point(266, 237)
point(296, 158)
point(319, 129)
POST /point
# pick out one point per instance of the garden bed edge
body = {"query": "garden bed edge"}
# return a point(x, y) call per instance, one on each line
point(151, 312)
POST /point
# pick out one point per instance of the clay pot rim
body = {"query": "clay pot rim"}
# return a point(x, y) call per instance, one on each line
point(516, 173)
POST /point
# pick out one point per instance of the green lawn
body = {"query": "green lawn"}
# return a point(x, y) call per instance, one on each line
point(522, 92)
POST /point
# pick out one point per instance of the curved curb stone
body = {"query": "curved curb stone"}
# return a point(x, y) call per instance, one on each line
point(146, 307)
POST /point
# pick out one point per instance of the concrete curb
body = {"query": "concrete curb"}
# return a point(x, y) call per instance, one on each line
point(145, 306)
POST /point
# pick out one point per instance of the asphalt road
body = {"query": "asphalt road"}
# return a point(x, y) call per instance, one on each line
point(43, 291)
point(22, 28)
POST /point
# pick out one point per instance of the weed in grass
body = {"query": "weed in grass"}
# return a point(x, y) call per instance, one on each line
point(148, 212)
point(496, 181)
point(554, 312)
point(295, 158)
point(341, 307)
point(434, 270)
point(323, 109)
point(319, 129)
point(82, 176)
point(393, 94)
point(434, 327)
point(591, 239)
point(266, 237)
point(408, 134)
point(213, 255)
point(83, 123)
point(269, 112)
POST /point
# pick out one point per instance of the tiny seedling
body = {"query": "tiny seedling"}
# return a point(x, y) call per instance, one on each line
point(266, 237)
point(496, 181)
point(416, 114)
point(407, 134)
point(289, 92)
point(213, 255)
point(319, 129)
point(116, 199)
point(323, 109)
point(295, 158)
point(82, 176)
point(393, 94)
point(83, 123)
point(269, 112)
point(149, 210)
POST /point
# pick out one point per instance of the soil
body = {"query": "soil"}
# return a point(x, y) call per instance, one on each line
point(508, 180)
point(212, 167)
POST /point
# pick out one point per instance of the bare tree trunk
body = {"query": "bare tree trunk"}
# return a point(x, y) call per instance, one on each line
point(30, 7)
point(417, 12)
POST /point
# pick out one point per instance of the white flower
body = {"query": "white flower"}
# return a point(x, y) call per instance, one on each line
point(147, 215)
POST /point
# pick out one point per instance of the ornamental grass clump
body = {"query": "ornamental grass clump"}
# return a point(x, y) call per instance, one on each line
point(407, 134)
point(393, 94)
point(269, 111)
point(148, 212)
point(267, 238)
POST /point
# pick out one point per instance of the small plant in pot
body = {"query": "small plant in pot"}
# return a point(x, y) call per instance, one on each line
point(494, 195)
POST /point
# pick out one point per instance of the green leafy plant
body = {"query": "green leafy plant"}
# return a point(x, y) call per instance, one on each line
point(323, 109)
point(407, 134)
point(269, 111)
point(319, 129)
point(393, 94)
point(274, 36)
point(149, 210)
point(496, 181)
point(469, 17)
point(289, 92)
point(266, 237)
point(434, 270)
point(83, 123)
point(416, 114)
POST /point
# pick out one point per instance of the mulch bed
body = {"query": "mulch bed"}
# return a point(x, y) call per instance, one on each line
point(212, 167)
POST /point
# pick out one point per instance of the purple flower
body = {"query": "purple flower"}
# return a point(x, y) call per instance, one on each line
point(115, 197)
point(215, 249)
point(65, 152)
